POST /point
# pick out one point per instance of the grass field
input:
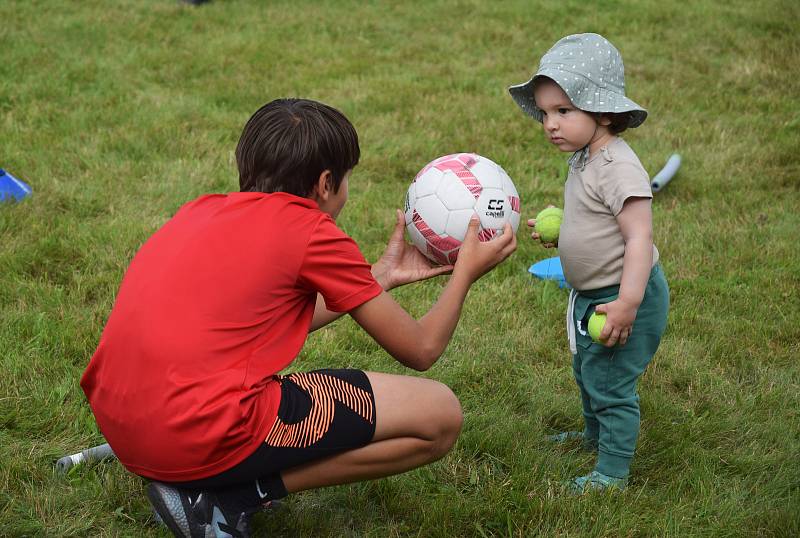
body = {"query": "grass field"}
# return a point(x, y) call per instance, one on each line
point(119, 112)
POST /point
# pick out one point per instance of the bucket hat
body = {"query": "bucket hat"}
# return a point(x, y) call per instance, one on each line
point(589, 69)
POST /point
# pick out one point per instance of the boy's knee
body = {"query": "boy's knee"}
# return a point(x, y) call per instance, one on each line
point(455, 415)
point(449, 420)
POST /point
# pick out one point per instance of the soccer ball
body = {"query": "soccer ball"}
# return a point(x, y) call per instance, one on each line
point(447, 192)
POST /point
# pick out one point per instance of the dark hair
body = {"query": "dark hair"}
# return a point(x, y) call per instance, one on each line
point(288, 143)
point(619, 121)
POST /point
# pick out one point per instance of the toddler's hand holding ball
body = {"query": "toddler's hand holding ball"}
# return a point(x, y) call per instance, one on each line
point(611, 323)
point(596, 323)
point(547, 225)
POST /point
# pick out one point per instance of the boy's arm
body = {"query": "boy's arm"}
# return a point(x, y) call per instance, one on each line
point(400, 264)
point(636, 224)
point(419, 343)
point(323, 316)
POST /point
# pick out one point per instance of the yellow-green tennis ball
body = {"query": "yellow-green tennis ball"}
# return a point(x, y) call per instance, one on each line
point(596, 323)
point(548, 224)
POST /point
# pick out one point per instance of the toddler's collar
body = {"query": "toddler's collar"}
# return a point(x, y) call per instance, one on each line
point(581, 157)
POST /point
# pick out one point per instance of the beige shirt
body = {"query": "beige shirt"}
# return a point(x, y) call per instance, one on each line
point(590, 242)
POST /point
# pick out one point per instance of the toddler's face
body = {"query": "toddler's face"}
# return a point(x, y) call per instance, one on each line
point(567, 127)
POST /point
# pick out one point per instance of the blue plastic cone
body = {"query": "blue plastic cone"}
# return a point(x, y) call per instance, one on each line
point(11, 188)
point(549, 269)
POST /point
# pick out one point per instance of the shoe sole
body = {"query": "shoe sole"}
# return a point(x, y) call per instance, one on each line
point(163, 499)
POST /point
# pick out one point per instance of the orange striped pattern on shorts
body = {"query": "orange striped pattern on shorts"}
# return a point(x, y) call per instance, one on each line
point(325, 391)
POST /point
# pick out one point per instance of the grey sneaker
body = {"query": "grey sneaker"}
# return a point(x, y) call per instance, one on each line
point(197, 515)
point(598, 482)
point(563, 438)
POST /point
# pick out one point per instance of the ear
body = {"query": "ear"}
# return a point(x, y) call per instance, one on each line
point(603, 119)
point(323, 188)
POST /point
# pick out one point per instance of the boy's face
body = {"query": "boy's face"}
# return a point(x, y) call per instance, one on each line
point(567, 127)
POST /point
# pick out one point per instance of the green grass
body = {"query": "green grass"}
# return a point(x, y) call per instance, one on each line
point(118, 112)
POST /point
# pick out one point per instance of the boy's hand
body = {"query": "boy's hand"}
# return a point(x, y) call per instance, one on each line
point(619, 322)
point(477, 258)
point(401, 262)
point(532, 224)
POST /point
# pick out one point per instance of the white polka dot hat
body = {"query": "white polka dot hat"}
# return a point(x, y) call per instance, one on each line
point(589, 69)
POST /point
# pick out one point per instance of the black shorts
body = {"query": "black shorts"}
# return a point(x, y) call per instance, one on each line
point(321, 413)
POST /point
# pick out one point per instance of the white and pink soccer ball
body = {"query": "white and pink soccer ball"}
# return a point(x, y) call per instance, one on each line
point(447, 192)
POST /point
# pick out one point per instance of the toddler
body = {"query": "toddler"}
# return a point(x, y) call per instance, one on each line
point(605, 243)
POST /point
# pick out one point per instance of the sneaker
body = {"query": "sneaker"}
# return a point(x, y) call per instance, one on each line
point(598, 482)
point(197, 515)
point(562, 438)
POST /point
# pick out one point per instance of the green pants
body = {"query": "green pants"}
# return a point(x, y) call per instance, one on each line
point(607, 377)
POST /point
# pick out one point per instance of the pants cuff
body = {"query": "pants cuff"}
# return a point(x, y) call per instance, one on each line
point(612, 465)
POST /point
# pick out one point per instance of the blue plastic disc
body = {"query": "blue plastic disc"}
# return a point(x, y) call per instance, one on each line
point(11, 188)
point(549, 269)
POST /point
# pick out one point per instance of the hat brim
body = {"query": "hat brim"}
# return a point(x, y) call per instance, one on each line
point(523, 96)
point(603, 101)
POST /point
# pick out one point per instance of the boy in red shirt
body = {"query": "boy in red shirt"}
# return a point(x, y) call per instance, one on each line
point(184, 383)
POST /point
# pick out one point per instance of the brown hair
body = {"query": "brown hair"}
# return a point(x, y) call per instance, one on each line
point(619, 120)
point(288, 143)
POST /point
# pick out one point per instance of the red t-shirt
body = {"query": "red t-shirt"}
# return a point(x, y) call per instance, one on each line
point(212, 306)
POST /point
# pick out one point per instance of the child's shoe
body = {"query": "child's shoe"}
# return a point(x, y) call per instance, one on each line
point(598, 482)
point(564, 437)
point(589, 445)
point(200, 515)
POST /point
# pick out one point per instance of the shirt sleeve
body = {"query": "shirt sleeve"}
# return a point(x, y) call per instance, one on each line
point(335, 267)
point(623, 180)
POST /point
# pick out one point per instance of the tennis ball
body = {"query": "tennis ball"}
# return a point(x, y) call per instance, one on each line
point(596, 323)
point(548, 224)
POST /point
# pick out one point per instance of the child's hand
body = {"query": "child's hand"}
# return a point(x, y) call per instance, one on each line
point(401, 262)
point(476, 258)
point(532, 224)
point(619, 322)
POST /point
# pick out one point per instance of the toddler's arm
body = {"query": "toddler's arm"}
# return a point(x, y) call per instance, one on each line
point(635, 223)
